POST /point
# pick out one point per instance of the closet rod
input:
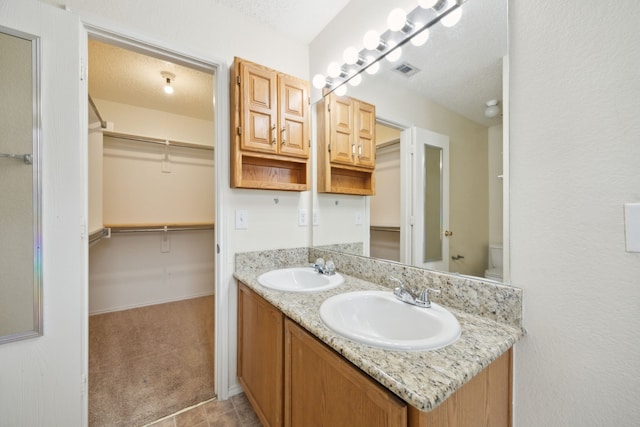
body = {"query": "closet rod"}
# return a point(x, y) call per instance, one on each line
point(96, 236)
point(103, 123)
point(383, 228)
point(160, 229)
point(158, 141)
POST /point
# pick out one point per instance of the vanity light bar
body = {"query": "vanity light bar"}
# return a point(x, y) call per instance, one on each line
point(388, 44)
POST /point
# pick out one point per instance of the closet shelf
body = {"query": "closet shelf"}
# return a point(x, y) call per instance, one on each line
point(150, 228)
point(149, 140)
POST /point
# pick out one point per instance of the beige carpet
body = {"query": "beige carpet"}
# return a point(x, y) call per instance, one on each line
point(149, 362)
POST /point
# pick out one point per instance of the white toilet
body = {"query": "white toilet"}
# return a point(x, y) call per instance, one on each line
point(494, 272)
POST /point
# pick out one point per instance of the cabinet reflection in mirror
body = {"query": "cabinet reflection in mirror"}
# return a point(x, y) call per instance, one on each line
point(456, 224)
point(20, 234)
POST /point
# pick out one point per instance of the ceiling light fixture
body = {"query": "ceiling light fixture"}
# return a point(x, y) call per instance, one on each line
point(492, 109)
point(403, 28)
point(168, 78)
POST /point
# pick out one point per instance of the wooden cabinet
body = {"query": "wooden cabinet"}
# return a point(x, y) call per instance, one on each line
point(346, 146)
point(323, 389)
point(484, 401)
point(270, 124)
point(260, 355)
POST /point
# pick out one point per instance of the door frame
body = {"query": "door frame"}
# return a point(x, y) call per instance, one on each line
point(102, 31)
point(408, 196)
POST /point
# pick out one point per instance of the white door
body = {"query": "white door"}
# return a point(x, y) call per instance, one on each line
point(42, 379)
point(426, 199)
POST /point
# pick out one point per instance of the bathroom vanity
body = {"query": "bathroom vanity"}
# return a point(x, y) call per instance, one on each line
point(296, 371)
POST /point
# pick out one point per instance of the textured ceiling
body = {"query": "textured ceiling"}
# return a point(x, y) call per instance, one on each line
point(300, 19)
point(121, 75)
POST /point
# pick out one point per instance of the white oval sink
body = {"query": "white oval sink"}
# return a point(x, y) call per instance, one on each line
point(299, 279)
point(379, 319)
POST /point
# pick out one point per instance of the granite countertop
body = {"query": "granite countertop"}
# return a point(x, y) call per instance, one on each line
point(423, 379)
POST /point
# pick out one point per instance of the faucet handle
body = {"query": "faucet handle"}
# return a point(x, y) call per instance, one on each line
point(424, 295)
point(330, 267)
point(320, 262)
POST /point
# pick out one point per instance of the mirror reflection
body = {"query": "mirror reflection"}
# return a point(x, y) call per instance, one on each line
point(20, 277)
point(453, 95)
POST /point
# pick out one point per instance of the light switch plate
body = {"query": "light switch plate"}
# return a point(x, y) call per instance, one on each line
point(632, 226)
point(316, 217)
point(358, 218)
point(242, 219)
point(303, 217)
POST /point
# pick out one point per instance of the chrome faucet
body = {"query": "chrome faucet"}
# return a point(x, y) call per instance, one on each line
point(327, 268)
point(410, 296)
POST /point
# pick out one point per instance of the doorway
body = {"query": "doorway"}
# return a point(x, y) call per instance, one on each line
point(151, 219)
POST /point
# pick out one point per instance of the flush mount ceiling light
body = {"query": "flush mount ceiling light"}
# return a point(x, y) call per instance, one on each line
point(402, 27)
point(168, 78)
point(492, 109)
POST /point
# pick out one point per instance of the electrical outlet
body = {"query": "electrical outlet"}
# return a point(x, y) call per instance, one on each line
point(358, 218)
point(242, 219)
point(303, 217)
point(316, 217)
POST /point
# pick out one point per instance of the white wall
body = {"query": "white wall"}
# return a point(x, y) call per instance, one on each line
point(575, 152)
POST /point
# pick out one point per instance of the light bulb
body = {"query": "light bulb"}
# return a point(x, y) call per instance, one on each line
point(356, 80)
point(492, 109)
point(319, 81)
point(373, 68)
point(168, 78)
point(397, 19)
point(350, 55)
point(420, 39)
point(395, 54)
point(341, 90)
point(371, 40)
point(426, 4)
point(334, 69)
point(452, 18)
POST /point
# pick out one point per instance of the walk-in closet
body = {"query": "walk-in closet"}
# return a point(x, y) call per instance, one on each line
point(151, 223)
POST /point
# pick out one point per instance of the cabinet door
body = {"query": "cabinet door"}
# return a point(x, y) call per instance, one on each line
point(341, 130)
point(294, 116)
point(366, 142)
point(260, 355)
point(322, 389)
point(258, 89)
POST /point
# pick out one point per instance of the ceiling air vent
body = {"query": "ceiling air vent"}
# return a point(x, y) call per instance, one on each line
point(406, 69)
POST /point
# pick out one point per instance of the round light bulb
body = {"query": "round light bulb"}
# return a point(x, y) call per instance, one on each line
point(373, 68)
point(356, 80)
point(420, 39)
point(350, 55)
point(452, 18)
point(426, 4)
point(319, 81)
point(371, 40)
point(168, 89)
point(334, 69)
point(397, 19)
point(341, 90)
point(492, 109)
point(395, 54)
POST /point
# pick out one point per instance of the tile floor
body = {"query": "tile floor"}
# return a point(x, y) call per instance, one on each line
point(234, 412)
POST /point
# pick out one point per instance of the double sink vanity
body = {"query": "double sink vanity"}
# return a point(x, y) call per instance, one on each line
point(359, 348)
